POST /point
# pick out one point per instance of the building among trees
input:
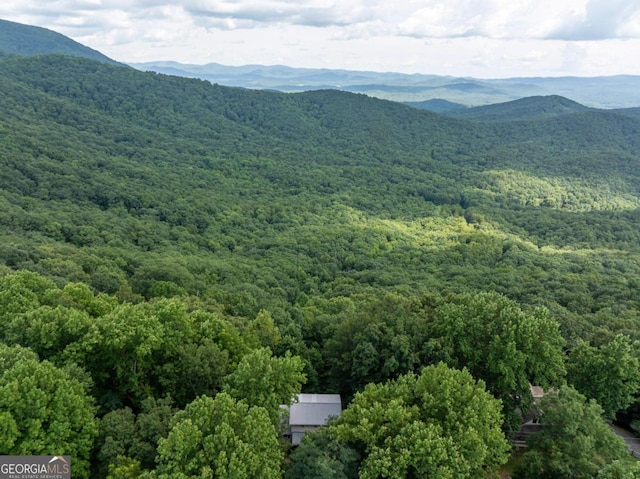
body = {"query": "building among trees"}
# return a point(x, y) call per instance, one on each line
point(310, 412)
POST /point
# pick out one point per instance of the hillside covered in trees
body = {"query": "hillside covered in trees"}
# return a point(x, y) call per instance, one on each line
point(167, 241)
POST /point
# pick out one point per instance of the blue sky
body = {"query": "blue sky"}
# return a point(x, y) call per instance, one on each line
point(480, 38)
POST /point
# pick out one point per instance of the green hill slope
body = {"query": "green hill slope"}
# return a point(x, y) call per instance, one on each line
point(27, 40)
point(522, 109)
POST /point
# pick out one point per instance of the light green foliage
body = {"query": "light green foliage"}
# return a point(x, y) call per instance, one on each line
point(21, 292)
point(120, 352)
point(131, 351)
point(574, 443)
point(53, 333)
point(322, 456)
point(124, 468)
point(265, 380)
point(501, 344)
point(440, 424)
point(220, 438)
point(80, 296)
point(265, 330)
point(43, 410)
point(610, 374)
point(620, 469)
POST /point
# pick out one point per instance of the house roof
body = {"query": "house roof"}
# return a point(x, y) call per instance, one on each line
point(536, 391)
point(314, 409)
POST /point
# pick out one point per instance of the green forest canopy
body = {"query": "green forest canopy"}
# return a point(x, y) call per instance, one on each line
point(164, 228)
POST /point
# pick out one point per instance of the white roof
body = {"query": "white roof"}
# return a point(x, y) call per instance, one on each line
point(314, 409)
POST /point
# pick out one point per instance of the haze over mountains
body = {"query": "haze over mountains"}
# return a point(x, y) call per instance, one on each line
point(621, 91)
point(601, 92)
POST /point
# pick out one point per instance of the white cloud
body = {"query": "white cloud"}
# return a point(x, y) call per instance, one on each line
point(601, 19)
point(251, 13)
point(461, 37)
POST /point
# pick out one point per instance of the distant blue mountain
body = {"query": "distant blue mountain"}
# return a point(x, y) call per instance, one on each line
point(621, 91)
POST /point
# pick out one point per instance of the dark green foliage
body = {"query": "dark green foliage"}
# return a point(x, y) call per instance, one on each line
point(574, 442)
point(151, 186)
point(125, 434)
point(22, 39)
point(372, 340)
point(322, 456)
point(523, 109)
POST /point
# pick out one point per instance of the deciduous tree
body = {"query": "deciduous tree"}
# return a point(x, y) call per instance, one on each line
point(220, 438)
point(439, 424)
point(43, 410)
point(265, 380)
point(574, 442)
point(610, 374)
point(500, 343)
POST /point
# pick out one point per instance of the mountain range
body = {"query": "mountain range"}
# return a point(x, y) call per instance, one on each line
point(602, 92)
point(622, 91)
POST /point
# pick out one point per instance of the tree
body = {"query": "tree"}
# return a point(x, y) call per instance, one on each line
point(574, 442)
point(44, 410)
point(119, 353)
point(53, 333)
point(19, 293)
point(376, 341)
point(501, 344)
point(440, 424)
point(220, 438)
point(322, 456)
point(265, 380)
point(130, 437)
point(610, 374)
point(124, 468)
point(205, 364)
point(620, 469)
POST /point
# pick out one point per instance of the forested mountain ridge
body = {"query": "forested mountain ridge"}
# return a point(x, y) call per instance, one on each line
point(324, 241)
point(19, 39)
point(523, 109)
point(147, 143)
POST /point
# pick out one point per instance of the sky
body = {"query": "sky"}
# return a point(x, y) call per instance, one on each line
point(477, 38)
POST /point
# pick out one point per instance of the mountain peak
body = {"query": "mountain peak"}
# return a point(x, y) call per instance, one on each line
point(28, 40)
point(529, 108)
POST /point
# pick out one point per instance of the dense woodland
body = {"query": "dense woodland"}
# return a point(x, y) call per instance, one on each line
point(180, 258)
